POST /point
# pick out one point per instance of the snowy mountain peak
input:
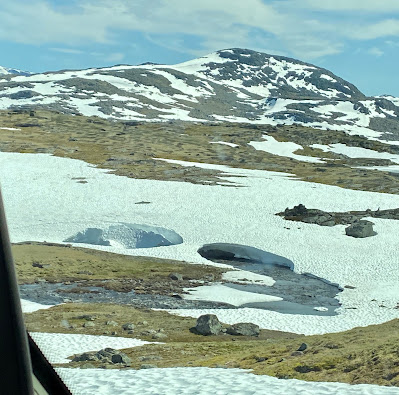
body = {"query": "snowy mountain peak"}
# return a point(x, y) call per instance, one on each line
point(272, 75)
point(8, 71)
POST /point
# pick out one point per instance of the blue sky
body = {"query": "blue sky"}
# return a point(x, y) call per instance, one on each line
point(356, 39)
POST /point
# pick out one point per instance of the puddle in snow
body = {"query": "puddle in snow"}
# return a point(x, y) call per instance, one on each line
point(301, 293)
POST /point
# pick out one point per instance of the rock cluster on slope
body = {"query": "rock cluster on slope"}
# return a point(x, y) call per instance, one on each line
point(106, 355)
point(209, 324)
point(358, 228)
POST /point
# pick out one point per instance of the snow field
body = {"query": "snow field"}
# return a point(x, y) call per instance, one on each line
point(58, 346)
point(58, 207)
point(202, 381)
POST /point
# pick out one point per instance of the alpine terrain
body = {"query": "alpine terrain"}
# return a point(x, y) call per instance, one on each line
point(239, 210)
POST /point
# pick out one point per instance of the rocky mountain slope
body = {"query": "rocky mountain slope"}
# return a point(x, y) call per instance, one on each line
point(236, 85)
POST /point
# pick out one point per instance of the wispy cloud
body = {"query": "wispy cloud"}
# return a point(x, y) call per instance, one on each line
point(115, 57)
point(307, 28)
point(375, 52)
point(358, 6)
point(67, 50)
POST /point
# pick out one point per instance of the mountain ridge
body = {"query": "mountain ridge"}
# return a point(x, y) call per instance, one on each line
point(234, 85)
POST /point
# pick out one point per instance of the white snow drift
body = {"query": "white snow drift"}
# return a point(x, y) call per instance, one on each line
point(127, 236)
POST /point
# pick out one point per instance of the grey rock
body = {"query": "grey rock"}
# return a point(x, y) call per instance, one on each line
point(147, 366)
point(121, 358)
point(360, 229)
point(176, 276)
point(65, 324)
point(149, 332)
point(149, 358)
point(86, 356)
point(111, 323)
point(243, 329)
point(302, 347)
point(88, 324)
point(128, 326)
point(208, 324)
point(328, 223)
point(159, 336)
point(107, 353)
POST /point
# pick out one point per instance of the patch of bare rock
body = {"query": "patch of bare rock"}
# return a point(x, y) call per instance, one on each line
point(358, 227)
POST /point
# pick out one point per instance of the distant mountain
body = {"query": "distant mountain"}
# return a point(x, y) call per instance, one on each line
point(6, 71)
point(237, 85)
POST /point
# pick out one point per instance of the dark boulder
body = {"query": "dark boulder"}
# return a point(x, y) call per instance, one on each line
point(121, 358)
point(208, 324)
point(176, 276)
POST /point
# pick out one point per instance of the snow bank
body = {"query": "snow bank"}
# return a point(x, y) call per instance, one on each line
point(58, 346)
point(44, 187)
point(282, 148)
point(127, 236)
point(237, 251)
point(30, 307)
point(202, 381)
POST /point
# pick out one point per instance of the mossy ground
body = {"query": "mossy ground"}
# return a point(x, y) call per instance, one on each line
point(37, 262)
point(129, 149)
point(361, 355)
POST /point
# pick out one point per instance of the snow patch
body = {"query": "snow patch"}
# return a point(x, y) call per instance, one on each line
point(245, 277)
point(202, 381)
point(222, 294)
point(282, 148)
point(58, 346)
point(127, 236)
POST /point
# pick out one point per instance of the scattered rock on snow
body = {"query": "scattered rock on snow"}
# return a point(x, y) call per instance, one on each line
point(106, 355)
point(360, 229)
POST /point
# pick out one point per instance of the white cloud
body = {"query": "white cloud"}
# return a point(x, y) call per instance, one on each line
point(375, 6)
point(375, 52)
point(290, 26)
point(384, 28)
point(67, 50)
point(115, 57)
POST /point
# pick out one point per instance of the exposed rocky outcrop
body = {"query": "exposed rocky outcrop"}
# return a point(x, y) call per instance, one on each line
point(107, 356)
point(358, 228)
point(243, 329)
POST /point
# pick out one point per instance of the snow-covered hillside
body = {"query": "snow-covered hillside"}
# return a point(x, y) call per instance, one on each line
point(237, 85)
